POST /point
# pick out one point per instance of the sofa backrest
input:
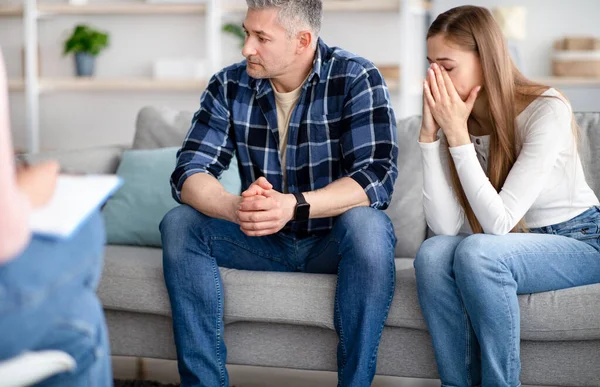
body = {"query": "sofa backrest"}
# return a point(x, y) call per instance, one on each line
point(163, 127)
point(589, 147)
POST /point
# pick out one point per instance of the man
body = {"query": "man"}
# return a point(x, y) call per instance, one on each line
point(315, 136)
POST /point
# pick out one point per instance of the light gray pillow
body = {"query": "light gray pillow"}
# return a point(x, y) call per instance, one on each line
point(589, 147)
point(161, 127)
point(406, 208)
point(102, 159)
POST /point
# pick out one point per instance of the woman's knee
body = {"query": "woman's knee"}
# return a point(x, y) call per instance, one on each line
point(477, 254)
point(436, 255)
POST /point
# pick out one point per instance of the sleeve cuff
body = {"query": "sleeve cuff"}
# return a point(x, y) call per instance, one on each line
point(430, 145)
point(463, 152)
point(364, 178)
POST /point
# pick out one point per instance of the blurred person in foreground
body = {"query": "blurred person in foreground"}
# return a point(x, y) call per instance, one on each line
point(47, 286)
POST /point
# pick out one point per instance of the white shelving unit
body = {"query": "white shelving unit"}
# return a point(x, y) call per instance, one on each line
point(34, 12)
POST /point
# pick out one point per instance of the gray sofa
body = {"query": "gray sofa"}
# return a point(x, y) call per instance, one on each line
point(286, 319)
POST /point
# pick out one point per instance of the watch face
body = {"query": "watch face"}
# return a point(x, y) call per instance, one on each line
point(302, 212)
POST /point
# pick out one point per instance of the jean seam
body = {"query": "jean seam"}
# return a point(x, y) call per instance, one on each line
point(468, 354)
point(218, 323)
point(387, 310)
point(513, 351)
point(340, 333)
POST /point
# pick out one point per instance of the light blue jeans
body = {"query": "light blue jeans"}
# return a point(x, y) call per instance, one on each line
point(359, 248)
point(468, 287)
point(48, 301)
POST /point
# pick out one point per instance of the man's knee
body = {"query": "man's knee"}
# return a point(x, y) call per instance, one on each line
point(367, 225)
point(369, 234)
point(179, 222)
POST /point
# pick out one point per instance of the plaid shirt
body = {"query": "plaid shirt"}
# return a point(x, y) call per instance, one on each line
point(343, 125)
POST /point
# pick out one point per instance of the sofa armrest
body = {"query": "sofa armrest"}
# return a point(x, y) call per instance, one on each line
point(104, 159)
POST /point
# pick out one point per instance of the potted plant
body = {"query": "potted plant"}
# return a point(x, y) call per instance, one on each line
point(86, 43)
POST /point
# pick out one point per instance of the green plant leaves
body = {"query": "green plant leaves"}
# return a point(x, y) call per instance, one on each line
point(86, 39)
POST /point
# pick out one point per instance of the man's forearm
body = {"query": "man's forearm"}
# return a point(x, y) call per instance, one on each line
point(207, 195)
point(336, 198)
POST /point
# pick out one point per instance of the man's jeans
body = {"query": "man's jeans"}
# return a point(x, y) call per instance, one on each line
point(468, 287)
point(48, 301)
point(360, 249)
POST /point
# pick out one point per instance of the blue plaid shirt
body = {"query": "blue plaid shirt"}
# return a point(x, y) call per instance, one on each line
point(343, 125)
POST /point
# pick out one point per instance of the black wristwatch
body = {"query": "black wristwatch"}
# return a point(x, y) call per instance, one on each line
point(302, 208)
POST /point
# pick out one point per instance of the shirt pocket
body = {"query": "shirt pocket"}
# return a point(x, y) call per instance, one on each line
point(322, 128)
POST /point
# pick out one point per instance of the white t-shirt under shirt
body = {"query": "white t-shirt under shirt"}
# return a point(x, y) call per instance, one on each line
point(546, 184)
point(285, 103)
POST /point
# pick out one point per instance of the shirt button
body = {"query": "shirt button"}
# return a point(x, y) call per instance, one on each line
point(478, 141)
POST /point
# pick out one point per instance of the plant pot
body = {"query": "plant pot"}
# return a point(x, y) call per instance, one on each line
point(84, 63)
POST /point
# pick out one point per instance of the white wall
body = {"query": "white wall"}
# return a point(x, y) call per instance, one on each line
point(77, 120)
point(548, 20)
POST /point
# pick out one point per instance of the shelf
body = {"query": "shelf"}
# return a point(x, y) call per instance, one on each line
point(126, 8)
point(16, 85)
point(130, 84)
point(11, 10)
point(111, 84)
point(349, 6)
point(136, 8)
point(125, 84)
point(390, 73)
point(568, 81)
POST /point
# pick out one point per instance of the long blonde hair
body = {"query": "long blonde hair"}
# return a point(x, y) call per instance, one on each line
point(475, 29)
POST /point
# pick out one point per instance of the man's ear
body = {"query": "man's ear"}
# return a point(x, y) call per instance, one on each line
point(304, 41)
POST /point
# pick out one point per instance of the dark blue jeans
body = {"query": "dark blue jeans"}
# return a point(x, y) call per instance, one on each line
point(48, 301)
point(359, 249)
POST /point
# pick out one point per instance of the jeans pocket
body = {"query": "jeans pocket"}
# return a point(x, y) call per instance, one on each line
point(588, 229)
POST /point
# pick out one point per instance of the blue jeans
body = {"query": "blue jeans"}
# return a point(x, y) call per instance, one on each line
point(48, 301)
point(360, 249)
point(468, 287)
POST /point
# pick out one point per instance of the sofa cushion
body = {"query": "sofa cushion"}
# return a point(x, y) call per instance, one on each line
point(133, 213)
point(133, 281)
point(406, 208)
point(160, 127)
point(589, 147)
point(104, 159)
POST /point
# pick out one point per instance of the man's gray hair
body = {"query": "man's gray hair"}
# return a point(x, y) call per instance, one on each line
point(294, 15)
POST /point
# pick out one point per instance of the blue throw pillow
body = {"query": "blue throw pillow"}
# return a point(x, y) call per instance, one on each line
point(133, 213)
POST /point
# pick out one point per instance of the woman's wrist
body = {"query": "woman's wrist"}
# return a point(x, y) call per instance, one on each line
point(427, 137)
point(458, 139)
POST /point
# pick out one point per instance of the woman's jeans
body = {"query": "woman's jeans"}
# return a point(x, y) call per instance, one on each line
point(468, 287)
point(48, 302)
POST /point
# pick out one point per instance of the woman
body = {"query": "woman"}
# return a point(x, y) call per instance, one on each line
point(507, 171)
point(47, 287)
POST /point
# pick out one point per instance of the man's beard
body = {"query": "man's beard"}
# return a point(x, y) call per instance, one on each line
point(257, 70)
